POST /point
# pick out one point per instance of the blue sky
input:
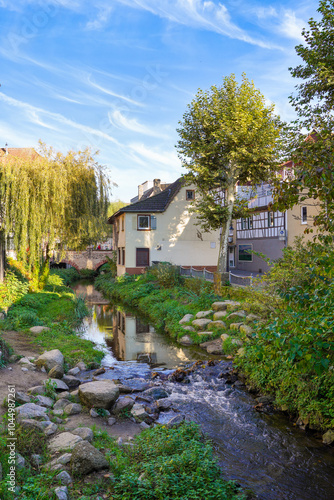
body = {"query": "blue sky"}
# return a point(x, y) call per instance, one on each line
point(117, 76)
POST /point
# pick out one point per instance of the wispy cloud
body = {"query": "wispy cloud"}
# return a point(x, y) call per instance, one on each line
point(119, 120)
point(102, 18)
point(162, 157)
point(202, 14)
point(112, 93)
point(33, 113)
point(292, 26)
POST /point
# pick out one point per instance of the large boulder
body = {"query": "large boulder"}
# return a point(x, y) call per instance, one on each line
point(56, 372)
point(64, 441)
point(201, 324)
point(56, 384)
point(203, 314)
point(222, 306)
point(86, 459)
point(99, 394)
point(219, 315)
point(186, 319)
point(186, 340)
point(85, 433)
point(123, 405)
point(71, 381)
point(217, 324)
point(50, 359)
point(31, 410)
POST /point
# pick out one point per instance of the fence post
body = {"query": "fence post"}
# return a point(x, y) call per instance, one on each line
point(229, 277)
point(251, 280)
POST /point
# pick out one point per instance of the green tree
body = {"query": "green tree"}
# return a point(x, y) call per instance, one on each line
point(114, 206)
point(53, 201)
point(315, 95)
point(228, 135)
point(313, 154)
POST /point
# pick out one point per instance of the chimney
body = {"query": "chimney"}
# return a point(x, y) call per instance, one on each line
point(140, 191)
point(6, 147)
point(156, 186)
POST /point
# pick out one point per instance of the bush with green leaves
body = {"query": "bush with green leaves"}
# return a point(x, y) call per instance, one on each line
point(169, 464)
point(292, 355)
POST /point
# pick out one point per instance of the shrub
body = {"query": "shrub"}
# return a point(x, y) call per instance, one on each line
point(166, 275)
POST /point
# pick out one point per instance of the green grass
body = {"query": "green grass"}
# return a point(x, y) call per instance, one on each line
point(162, 464)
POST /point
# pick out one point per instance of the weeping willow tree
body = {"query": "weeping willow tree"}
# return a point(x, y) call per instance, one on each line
point(52, 201)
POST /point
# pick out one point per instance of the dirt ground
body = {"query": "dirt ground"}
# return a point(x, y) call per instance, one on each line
point(12, 374)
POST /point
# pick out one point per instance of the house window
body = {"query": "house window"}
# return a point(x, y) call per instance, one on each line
point(142, 257)
point(146, 222)
point(190, 194)
point(143, 222)
point(121, 256)
point(123, 223)
point(245, 253)
point(270, 219)
point(246, 223)
point(304, 215)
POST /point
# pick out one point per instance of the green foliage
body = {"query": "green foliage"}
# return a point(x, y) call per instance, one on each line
point(315, 96)
point(50, 388)
point(11, 290)
point(51, 196)
point(30, 441)
point(292, 354)
point(228, 135)
point(67, 276)
point(114, 206)
point(167, 463)
point(313, 154)
point(167, 275)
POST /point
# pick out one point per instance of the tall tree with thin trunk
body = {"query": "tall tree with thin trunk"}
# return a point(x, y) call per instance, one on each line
point(54, 201)
point(228, 136)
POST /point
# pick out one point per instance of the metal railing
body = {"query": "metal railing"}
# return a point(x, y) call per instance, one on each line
point(235, 279)
point(196, 273)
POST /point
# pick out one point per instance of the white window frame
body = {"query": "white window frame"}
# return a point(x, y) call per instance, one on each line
point(148, 227)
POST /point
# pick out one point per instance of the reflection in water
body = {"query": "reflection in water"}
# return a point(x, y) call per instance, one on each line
point(127, 338)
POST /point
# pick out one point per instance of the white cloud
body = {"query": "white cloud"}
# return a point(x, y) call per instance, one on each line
point(33, 114)
point(102, 18)
point(167, 158)
point(119, 120)
point(112, 93)
point(198, 14)
point(291, 26)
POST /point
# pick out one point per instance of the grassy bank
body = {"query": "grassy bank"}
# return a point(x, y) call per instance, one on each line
point(55, 306)
point(161, 464)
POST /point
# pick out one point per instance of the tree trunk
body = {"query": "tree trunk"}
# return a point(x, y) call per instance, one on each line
point(223, 247)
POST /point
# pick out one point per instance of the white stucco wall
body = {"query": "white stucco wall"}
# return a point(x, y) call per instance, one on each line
point(180, 240)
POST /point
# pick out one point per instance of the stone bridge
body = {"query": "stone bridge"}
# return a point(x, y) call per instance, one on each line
point(87, 259)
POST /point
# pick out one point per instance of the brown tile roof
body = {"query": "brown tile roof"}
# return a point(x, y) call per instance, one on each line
point(153, 204)
point(19, 153)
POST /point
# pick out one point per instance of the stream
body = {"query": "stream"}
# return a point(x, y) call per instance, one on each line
point(263, 452)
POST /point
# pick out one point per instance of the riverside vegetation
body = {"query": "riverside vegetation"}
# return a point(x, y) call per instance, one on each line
point(289, 352)
point(161, 463)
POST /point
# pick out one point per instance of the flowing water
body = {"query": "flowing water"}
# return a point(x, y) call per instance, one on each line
point(262, 452)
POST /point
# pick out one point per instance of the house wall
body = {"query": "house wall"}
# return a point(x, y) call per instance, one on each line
point(295, 225)
point(176, 240)
point(270, 247)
